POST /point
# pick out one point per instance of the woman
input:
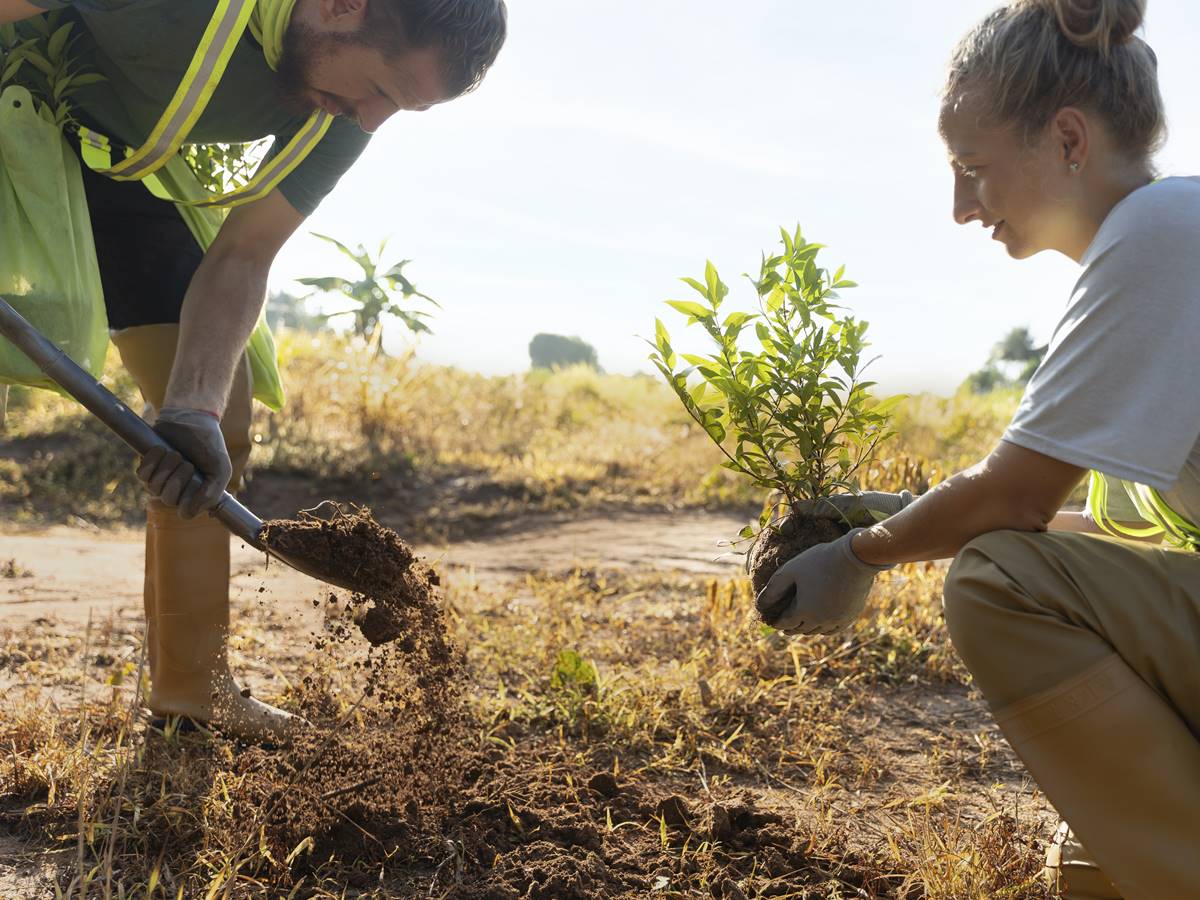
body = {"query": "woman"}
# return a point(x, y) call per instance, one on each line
point(1087, 648)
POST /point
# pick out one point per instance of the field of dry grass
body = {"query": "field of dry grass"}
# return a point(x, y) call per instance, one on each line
point(457, 450)
point(628, 733)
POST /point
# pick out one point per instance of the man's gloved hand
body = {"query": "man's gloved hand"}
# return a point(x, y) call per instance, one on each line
point(821, 591)
point(198, 445)
point(860, 510)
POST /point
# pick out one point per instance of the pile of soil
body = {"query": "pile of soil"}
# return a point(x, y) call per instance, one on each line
point(524, 835)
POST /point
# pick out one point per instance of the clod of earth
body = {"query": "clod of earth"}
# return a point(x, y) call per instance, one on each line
point(782, 540)
point(393, 589)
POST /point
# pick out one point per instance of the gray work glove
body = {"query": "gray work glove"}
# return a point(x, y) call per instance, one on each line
point(198, 446)
point(860, 510)
point(821, 591)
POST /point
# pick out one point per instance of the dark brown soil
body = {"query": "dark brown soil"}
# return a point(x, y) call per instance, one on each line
point(397, 594)
point(781, 541)
point(377, 775)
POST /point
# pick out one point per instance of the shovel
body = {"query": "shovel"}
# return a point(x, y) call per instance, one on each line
point(130, 428)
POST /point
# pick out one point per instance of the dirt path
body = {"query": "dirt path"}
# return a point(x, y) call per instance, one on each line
point(70, 573)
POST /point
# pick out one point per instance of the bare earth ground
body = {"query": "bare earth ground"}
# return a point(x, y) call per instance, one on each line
point(928, 746)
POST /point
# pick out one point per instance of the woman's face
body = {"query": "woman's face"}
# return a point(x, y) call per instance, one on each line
point(1016, 190)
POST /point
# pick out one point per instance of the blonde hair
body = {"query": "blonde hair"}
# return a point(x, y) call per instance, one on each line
point(1027, 60)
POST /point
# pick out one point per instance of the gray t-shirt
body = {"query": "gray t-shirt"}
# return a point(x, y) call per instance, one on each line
point(1119, 389)
point(143, 49)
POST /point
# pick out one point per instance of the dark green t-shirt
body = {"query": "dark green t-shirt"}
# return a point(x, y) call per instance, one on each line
point(143, 48)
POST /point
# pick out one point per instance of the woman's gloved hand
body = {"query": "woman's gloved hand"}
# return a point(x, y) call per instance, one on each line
point(198, 446)
point(821, 591)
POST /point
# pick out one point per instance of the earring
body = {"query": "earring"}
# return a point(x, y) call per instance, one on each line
point(1074, 167)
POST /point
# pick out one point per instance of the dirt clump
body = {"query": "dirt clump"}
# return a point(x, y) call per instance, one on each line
point(393, 589)
point(786, 538)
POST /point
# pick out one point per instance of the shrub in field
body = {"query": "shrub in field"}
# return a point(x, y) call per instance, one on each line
point(793, 413)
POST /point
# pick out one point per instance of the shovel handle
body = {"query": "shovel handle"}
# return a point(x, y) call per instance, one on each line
point(126, 424)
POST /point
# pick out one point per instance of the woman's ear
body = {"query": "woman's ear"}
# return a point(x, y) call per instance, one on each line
point(1071, 133)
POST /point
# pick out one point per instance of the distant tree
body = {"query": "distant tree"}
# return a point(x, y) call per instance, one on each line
point(1012, 362)
point(286, 310)
point(553, 351)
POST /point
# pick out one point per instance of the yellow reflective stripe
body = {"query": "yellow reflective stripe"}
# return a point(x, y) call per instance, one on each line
point(1151, 506)
point(1179, 530)
point(272, 172)
point(1098, 509)
point(1098, 504)
point(220, 39)
point(157, 188)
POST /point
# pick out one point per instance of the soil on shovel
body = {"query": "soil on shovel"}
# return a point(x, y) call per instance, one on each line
point(392, 585)
point(790, 536)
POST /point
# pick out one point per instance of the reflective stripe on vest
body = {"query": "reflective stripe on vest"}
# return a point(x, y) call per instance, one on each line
point(1175, 529)
point(220, 38)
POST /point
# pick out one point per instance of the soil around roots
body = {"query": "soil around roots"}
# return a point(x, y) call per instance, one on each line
point(787, 538)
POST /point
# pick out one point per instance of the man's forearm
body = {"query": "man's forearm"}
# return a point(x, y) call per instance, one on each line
point(220, 310)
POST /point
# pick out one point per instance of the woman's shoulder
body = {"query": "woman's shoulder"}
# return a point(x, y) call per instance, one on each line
point(1160, 218)
point(1166, 202)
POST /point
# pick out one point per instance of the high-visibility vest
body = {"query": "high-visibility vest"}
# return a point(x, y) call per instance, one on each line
point(1154, 510)
point(225, 29)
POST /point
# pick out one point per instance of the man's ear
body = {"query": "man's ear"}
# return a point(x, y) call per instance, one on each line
point(342, 15)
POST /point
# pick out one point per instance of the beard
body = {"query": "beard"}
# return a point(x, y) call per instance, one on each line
point(303, 48)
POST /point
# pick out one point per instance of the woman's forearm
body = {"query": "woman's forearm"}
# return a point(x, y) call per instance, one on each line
point(1014, 488)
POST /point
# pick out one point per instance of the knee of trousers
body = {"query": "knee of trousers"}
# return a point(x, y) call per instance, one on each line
point(981, 599)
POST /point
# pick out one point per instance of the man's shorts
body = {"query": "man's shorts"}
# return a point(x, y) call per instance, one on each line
point(146, 253)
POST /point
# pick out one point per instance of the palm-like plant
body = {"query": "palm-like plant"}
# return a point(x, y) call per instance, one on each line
point(374, 294)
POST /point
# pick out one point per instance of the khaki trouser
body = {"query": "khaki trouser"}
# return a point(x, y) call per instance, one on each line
point(1087, 649)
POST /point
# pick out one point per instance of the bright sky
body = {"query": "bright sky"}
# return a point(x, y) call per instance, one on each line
point(616, 146)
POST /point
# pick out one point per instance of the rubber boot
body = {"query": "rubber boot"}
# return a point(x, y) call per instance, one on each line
point(190, 583)
point(1122, 767)
point(186, 588)
point(1071, 869)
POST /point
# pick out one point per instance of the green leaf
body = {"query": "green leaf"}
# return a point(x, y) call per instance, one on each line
point(572, 671)
point(688, 308)
point(738, 319)
point(40, 63)
point(58, 40)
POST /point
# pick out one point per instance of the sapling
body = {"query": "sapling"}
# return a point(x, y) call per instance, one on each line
point(793, 413)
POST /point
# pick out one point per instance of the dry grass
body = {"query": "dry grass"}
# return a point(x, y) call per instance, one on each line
point(565, 440)
point(875, 772)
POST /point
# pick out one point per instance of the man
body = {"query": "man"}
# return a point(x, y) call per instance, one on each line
point(328, 71)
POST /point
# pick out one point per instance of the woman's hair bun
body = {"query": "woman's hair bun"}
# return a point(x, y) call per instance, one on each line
point(1097, 24)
